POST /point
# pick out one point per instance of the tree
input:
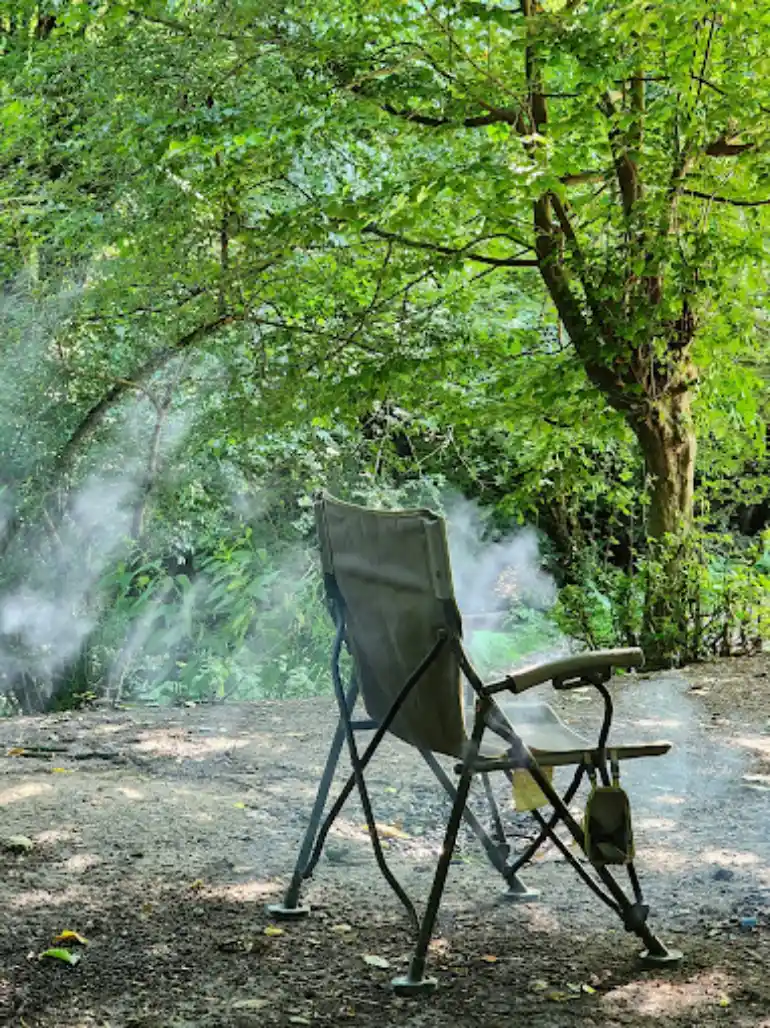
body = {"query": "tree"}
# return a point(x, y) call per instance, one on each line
point(618, 148)
point(510, 240)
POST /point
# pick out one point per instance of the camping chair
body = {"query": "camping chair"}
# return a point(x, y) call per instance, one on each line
point(389, 589)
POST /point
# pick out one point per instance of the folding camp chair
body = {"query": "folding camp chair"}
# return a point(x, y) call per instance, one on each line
point(389, 589)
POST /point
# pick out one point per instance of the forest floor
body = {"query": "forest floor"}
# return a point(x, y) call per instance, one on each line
point(160, 834)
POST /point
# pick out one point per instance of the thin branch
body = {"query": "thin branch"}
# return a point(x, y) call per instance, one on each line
point(449, 251)
point(157, 19)
point(188, 30)
point(495, 116)
point(94, 417)
point(723, 147)
point(111, 315)
point(725, 199)
point(722, 92)
point(709, 84)
point(625, 168)
point(582, 176)
point(707, 53)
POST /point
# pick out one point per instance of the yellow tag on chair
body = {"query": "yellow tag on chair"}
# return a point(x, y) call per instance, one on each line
point(527, 794)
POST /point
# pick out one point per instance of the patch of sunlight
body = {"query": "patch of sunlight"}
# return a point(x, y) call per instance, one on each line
point(658, 722)
point(54, 835)
point(161, 949)
point(23, 792)
point(756, 743)
point(344, 829)
point(424, 852)
point(46, 898)
point(662, 858)
point(543, 920)
point(130, 793)
point(734, 858)
point(80, 862)
point(240, 892)
point(106, 729)
point(656, 824)
point(764, 877)
point(169, 744)
point(670, 800)
point(658, 997)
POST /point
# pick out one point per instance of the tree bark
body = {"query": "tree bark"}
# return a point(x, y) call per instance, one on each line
point(668, 442)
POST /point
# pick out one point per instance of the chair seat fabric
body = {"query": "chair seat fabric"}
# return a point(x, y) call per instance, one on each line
point(553, 743)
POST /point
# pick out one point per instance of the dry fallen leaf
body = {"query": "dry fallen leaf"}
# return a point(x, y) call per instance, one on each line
point(374, 961)
point(16, 751)
point(557, 996)
point(489, 958)
point(68, 936)
point(387, 831)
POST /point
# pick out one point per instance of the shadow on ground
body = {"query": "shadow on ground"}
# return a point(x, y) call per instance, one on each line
point(160, 834)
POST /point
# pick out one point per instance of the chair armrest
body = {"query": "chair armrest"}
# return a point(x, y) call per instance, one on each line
point(569, 669)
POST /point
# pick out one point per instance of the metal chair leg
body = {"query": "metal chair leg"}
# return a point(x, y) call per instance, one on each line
point(414, 981)
point(291, 908)
point(633, 915)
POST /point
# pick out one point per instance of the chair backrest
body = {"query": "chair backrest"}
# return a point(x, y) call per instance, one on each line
point(391, 570)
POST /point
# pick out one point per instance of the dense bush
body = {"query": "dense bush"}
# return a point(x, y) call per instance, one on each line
point(684, 600)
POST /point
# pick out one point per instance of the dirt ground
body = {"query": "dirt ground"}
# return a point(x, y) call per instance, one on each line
point(160, 834)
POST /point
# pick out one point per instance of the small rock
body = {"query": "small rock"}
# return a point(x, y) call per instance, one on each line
point(17, 844)
point(250, 1004)
point(723, 874)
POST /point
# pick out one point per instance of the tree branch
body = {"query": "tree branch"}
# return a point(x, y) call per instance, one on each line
point(723, 147)
point(449, 251)
point(582, 176)
point(94, 417)
point(725, 199)
point(625, 168)
point(495, 116)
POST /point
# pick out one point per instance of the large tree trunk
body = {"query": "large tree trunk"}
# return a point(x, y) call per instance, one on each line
point(668, 442)
point(667, 438)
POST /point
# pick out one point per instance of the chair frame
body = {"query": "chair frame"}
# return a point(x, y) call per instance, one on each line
point(487, 716)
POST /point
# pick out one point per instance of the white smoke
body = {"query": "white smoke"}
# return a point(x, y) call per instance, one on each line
point(44, 621)
point(491, 575)
point(56, 600)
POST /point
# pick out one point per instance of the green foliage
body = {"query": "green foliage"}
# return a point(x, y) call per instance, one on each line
point(686, 600)
point(244, 624)
point(523, 635)
point(250, 249)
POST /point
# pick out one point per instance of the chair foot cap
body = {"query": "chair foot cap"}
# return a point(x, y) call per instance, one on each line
point(669, 958)
point(520, 894)
point(406, 986)
point(282, 913)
